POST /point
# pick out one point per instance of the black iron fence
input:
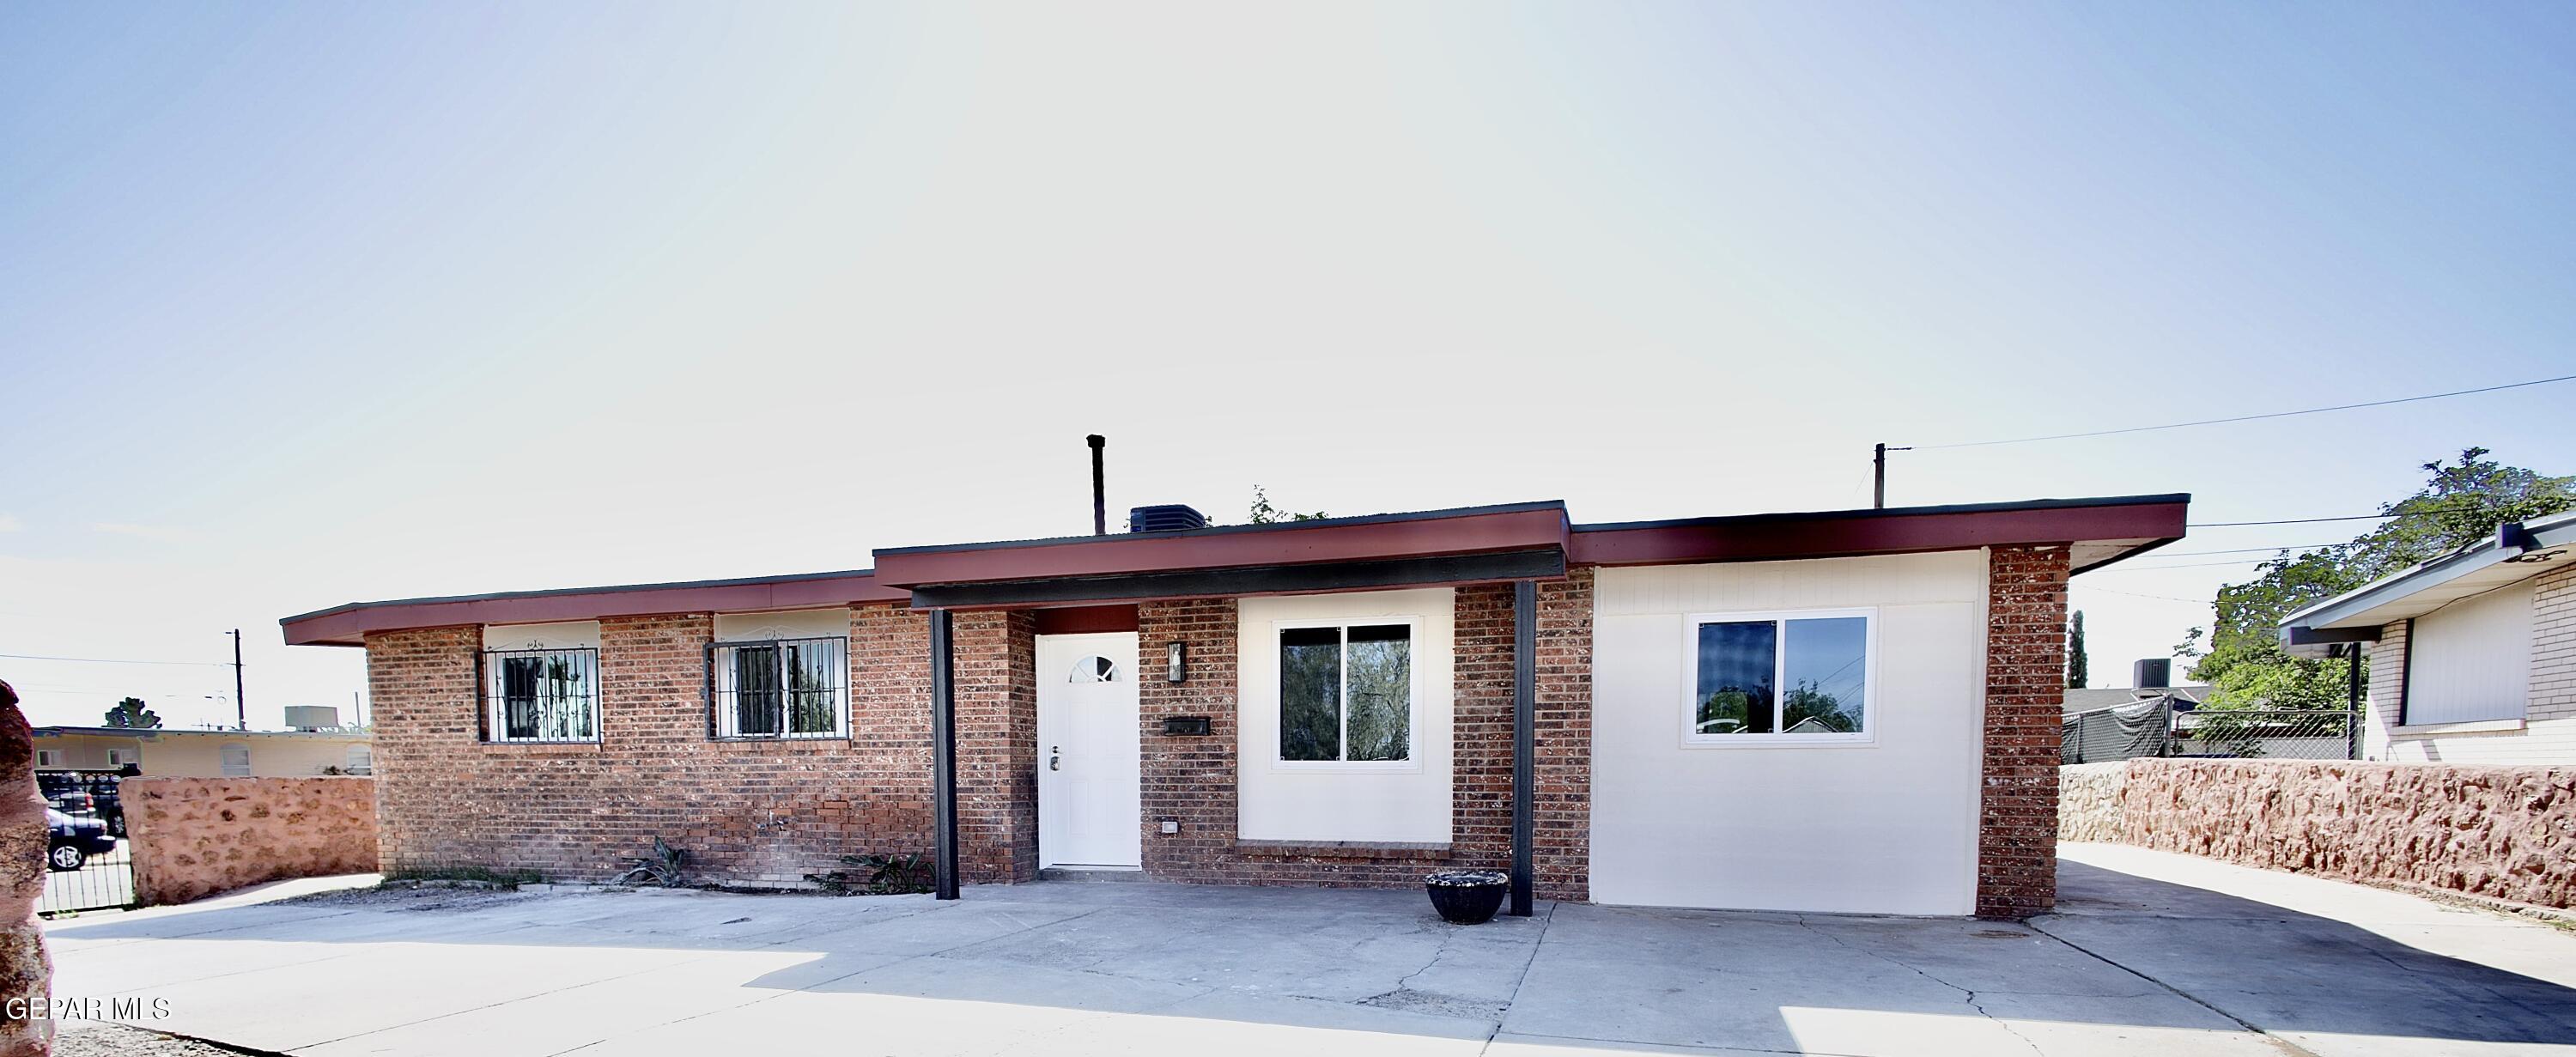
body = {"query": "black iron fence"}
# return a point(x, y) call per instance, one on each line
point(89, 863)
point(2158, 729)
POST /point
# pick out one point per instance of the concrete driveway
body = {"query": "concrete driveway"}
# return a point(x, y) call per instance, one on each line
point(2154, 954)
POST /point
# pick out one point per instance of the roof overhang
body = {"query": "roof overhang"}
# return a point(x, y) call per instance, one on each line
point(1460, 532)
point(2519, 552)
point(1457, 547)
point(2102, 530)
point(348, 625)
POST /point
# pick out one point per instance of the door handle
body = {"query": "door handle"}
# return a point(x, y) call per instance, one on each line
point(1055, 761)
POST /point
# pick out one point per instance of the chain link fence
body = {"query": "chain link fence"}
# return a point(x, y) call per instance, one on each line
point(2157, 729)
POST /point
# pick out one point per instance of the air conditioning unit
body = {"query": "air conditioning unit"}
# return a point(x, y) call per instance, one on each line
point(1168, 518)
point(311, 717)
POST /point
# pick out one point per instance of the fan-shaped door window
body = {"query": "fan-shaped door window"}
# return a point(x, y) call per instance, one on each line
point(1094, 669)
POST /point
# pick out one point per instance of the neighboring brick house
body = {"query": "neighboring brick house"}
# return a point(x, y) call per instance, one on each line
point(2472, 655)
point(1837, 711)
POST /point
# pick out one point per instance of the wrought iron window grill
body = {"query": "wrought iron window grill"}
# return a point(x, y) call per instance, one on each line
point(779, 688)
point(541, 695)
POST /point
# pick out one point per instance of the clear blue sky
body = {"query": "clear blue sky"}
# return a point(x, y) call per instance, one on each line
point(304, 304)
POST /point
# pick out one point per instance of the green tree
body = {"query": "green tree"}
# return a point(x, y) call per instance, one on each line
point(132, 713)
point(1265, 514)
point(2079, 674)
point(2460, 504)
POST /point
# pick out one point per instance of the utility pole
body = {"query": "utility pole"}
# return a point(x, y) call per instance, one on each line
point(241, 712)
point(1878, 476)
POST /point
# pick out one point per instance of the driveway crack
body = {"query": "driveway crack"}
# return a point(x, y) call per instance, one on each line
point(1967, 994)
point(2285, 1045)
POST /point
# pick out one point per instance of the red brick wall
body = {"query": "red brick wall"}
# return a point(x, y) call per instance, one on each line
point(2025, 686)
point(1192, 778)
point(749, 812)
point(771, 812)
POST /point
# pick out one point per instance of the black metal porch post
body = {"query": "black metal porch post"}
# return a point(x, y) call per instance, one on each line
point(1524, 738)
point(2352, 701)
point(943, 759)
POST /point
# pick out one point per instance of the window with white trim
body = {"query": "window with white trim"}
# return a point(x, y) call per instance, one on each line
point(1757, 678)
point(49, 758)
point(236, 760)
point(780, 688)
point(119, 757)
point(541, 694)
point(359, 760)
point(1346, 692)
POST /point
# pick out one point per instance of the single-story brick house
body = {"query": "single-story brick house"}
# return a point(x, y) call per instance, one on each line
point(1836, 711)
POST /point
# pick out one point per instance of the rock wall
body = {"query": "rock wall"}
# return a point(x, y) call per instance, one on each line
point(25, 970)
point(2503, 832)
point(194, 837)
point(2088, 801)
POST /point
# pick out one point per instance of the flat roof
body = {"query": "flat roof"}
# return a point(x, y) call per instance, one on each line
point(347, 625)
point(148, 733)
point(1525, 535)
point(2104, 529)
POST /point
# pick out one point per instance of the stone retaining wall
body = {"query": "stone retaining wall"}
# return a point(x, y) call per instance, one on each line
point(2502, 832)
point(194, 837)
point(2088, 801)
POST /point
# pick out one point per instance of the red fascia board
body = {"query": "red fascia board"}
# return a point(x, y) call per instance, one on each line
point(1287, 545)
point(1085, 620)
point(348, 625)
point(1764, 537)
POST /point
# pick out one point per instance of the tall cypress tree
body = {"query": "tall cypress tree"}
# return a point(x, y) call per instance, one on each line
point(2078, 674)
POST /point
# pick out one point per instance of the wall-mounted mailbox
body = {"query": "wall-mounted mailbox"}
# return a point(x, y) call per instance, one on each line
point(1186, 725)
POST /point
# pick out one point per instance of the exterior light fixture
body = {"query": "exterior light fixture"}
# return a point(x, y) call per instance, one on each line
point(1178, 670)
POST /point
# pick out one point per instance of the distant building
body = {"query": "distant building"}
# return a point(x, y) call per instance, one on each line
point(2472, 655)
point(167, 753)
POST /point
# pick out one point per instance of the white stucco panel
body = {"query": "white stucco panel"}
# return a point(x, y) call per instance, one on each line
point(569, 635)
point(1360, 802)
point(791, 624)
point(1888, 826)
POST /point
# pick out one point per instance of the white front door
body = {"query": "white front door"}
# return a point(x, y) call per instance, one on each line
point(1088, 742)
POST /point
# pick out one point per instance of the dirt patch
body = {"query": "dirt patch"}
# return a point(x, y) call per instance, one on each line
point(413, 897)
point(117, 1040)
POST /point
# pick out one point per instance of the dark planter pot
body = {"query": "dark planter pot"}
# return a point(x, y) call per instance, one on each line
point(1467, 897)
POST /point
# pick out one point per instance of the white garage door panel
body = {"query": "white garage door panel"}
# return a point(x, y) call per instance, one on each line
point(1885, 828)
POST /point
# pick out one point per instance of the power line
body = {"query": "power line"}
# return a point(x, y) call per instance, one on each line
point(106, 660)
point(2299, 520)
point(2349, 517)
point(2248, 418)
point(2251, 550)
point(2133, 594)
point(2185, 565)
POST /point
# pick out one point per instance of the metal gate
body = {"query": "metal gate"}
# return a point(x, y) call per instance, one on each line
point(89, 864)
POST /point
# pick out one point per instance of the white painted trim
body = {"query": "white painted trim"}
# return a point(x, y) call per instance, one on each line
point(1412, 761)
point(2474, 726)
point(1868, 734)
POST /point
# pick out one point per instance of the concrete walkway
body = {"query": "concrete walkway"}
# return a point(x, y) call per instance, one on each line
point(2149, 958)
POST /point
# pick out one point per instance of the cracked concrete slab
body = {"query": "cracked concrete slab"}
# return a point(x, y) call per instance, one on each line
point(2153, 955)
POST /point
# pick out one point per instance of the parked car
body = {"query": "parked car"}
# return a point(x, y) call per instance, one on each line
point(74, 840)
point(77, 793)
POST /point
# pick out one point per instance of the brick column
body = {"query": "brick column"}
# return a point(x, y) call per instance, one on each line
point(1561, 860)
point(2025, 691)
point(997, 747)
